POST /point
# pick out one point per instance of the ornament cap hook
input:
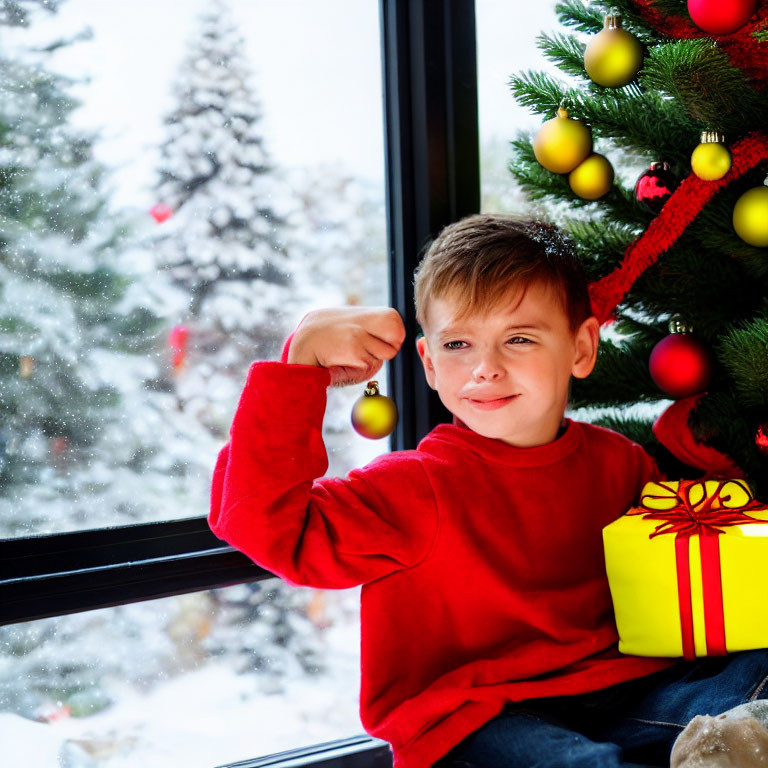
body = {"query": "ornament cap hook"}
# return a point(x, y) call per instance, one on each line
point(372, 388)
point(679, 326)
point(712, 137)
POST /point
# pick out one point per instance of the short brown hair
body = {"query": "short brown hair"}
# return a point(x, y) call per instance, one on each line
point(481, 257)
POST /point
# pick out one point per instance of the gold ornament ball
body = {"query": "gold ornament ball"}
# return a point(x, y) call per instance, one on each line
point(562, 143)
point(613, 56)
point(592, 178)
point(750, 216)
point(711, 161)
point(374, 416)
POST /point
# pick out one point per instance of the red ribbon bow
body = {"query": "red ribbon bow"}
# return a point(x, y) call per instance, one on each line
point(703, 518)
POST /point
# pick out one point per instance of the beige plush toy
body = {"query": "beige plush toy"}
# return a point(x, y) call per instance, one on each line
point(737, 738)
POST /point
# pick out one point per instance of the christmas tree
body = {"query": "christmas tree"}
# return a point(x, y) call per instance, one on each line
point(64, 317)
point(224, 245)
point(675, 238)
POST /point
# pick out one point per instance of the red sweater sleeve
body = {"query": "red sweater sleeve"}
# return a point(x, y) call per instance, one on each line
point(330, 532)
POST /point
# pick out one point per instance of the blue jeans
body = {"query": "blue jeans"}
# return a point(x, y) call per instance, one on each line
point(630, 725)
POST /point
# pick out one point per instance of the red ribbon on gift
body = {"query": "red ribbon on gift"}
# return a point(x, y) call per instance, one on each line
point(703, 519)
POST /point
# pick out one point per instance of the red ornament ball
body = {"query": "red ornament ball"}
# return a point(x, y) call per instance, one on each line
point(721, 17)
point(161, 212)
point(681, 365)
point(654, 187)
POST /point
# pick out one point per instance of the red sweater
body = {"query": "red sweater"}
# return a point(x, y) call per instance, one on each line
point(481, 563)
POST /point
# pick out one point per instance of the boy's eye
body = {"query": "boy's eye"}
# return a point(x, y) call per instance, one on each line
point(513, 340)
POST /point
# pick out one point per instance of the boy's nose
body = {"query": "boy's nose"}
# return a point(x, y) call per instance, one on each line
point(488, 367)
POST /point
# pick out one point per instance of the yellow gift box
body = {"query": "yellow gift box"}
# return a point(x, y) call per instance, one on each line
point(688, 570)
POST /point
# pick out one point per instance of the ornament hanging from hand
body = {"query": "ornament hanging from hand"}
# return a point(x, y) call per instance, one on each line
point(374, 415)
point(680, 363)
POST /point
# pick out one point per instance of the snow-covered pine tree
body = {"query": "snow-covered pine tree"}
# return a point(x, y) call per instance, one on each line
point(62, 323)
point(15, 13)
point(225, 243)
point(696, 268)
point(225, 246)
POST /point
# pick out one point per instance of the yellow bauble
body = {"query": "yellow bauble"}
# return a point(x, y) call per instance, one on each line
point(374, 415)
point(613, 56)
point(750, 216)
point(592, 178)
point(562, 143)
point(711, 160)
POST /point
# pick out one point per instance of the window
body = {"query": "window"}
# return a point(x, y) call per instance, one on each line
point(161, 234)
point(501, 118)
point(85, 580)
point(169, 230)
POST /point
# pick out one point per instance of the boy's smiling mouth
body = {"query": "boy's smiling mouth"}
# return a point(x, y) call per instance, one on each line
point(487, 404)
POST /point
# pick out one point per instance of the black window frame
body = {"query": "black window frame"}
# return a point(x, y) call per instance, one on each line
point(429, 72)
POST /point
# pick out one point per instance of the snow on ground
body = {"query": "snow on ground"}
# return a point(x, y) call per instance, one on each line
point(206, 717)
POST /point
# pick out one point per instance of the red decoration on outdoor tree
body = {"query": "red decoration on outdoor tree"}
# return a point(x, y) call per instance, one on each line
point(177, 341)
point(161, 212)
point(678, 212)
point(654, 187)
point(721, 17)
point(681, 365)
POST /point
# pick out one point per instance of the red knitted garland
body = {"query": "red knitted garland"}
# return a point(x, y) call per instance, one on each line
point(679, 211)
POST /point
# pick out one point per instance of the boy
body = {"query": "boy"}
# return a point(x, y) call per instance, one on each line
point(487, 629)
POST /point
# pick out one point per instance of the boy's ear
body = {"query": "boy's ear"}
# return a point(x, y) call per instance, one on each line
point(429, 368)
point(587, 340)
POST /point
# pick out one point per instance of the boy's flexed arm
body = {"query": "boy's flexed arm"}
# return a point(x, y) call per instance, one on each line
point(266, 499)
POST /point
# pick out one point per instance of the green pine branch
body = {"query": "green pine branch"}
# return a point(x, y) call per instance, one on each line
point(719, 421)
point(573, 13)
point(708, 290)
point(699, 78)
point(641, 124)
point(600, 243)
point(638, 430)
point(744, 352)
point(564, 51)
point(621, 377)
point(714, 228)
point(590, 19)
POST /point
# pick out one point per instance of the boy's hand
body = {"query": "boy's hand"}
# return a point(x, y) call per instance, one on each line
point(351, 342)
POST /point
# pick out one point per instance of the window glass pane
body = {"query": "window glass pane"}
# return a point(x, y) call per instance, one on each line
point(196, 680)
point(180, 182)
point(506, 45)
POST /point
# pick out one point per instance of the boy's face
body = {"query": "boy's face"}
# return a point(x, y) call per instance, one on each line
point(505, 374)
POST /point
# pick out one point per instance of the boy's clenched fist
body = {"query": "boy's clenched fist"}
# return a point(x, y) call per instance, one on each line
point(351, 342)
